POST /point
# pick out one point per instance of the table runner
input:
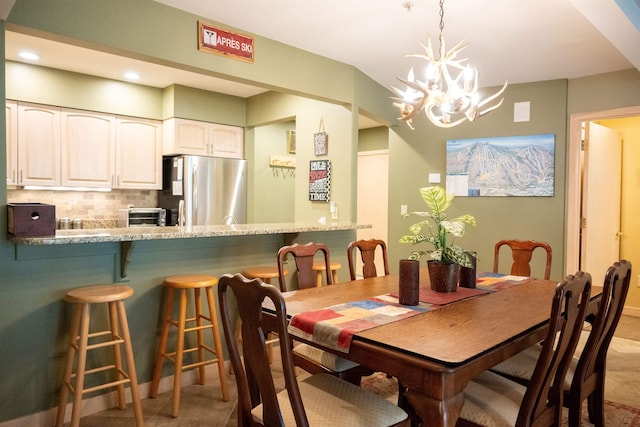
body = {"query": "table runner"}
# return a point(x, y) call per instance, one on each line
point(495, 281)
point(334, 326)
point(429, 296)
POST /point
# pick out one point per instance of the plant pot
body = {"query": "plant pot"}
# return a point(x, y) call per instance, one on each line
point(443, 277)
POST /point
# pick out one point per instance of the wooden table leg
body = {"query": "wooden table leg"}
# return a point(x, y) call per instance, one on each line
point(436, 413)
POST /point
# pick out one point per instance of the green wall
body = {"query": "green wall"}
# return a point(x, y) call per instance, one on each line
point(273, 197)
point(373, 139)
point(42, 85)
point(197, 104)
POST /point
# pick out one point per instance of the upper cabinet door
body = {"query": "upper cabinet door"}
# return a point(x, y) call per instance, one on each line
point(88, 149)
point(12, 142)
point(38, 145)
point(138, 153)
point(227, 141)
point(186, 137)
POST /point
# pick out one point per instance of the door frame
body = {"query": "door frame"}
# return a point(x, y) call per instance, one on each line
point(572, 235)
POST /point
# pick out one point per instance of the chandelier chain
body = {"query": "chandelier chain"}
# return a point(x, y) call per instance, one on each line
point(441, 38)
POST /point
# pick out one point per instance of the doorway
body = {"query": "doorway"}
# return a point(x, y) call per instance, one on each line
point(373, 175)
point(575, 256)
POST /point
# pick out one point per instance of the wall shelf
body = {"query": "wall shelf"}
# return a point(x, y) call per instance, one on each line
point(282, 161)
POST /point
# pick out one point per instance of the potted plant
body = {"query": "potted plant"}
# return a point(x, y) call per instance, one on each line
point(445, 259)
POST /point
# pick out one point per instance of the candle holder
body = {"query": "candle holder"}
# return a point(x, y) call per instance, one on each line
point(409, 286)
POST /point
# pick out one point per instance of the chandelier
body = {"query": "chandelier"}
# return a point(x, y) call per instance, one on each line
point(449, 93)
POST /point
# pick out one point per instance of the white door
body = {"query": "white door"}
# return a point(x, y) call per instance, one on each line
point(600, 243)
point(373, 177)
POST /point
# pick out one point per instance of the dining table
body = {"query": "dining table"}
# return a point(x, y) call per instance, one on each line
point(436, 351)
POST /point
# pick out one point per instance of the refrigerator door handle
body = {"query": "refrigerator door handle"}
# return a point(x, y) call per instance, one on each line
point(194, 196)
point(181, 213)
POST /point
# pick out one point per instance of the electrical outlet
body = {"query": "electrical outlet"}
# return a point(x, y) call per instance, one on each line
point(403, 211)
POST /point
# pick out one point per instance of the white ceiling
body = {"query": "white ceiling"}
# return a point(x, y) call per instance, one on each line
point(509, 40)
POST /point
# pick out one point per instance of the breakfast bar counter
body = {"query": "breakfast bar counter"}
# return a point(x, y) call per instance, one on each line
point(159, 233)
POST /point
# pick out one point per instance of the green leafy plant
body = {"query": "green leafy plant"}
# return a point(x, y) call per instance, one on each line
point(437, 230)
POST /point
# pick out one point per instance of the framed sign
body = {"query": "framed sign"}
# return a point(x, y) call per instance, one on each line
point(222, 42)
point(319, 180)
point(321, 141)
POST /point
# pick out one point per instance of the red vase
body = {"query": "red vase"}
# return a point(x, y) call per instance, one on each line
point(443, 277)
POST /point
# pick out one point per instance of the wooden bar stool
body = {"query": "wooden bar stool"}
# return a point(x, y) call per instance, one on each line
point(183, 283)
point(266, 274)
point(79, 344)
point(319, 268)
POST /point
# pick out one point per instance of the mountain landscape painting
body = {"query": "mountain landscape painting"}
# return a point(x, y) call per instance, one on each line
point(503, 166)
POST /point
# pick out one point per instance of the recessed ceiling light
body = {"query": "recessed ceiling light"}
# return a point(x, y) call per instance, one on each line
point(29, 56)
point(131, 75)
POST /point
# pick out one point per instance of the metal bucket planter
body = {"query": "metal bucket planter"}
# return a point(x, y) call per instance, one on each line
point(443, 277)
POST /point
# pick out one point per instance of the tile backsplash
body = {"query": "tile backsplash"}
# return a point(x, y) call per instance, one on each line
point(96, 209)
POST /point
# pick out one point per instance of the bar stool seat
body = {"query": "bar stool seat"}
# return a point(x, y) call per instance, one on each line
point(183, 283)
point(319, 268)
point(81, 340)
point(266, 273)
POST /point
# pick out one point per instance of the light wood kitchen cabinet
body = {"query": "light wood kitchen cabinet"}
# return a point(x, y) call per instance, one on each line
point(88, 149)
point(51, 146)
point(182, 136)
point(38, 145)
point(12, 142)
point(138, 153)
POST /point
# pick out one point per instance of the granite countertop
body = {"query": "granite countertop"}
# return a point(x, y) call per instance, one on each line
point(97, 235)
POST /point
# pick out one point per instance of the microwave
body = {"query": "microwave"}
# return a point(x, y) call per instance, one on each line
point(141, 217)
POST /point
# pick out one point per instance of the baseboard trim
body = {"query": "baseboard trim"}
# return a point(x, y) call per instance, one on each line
point(109, 400)
point(631, 311)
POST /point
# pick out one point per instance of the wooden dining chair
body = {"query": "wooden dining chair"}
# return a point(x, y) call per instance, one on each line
point(303, 256)
point(317, 400)
point(493, 400)
point(308, 357)
point(586, 375)
point(522, 251)
point(367, 249)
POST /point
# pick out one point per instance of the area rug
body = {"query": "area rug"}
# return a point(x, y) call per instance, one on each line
point(615, 414)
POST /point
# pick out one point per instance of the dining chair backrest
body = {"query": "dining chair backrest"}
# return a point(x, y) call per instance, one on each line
point(522, 251)
point(590, 370)
point(367, 249)
point(303, 256)
point(542, 402)
point(254, 379)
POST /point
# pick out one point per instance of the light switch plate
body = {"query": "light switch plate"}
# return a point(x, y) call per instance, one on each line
point(434, 178)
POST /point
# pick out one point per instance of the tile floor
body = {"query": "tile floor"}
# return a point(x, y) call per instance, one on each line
point(202, 405)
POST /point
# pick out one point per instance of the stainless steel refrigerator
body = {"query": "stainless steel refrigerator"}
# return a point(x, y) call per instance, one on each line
point(204, 190)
